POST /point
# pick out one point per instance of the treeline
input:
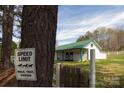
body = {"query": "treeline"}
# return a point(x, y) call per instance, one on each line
point(10, 25)
point(110, 39)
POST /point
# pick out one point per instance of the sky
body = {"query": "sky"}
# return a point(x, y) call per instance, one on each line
point(75, 20)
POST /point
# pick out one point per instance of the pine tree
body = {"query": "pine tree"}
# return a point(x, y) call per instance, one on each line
point(39, 24)
point(7, 27)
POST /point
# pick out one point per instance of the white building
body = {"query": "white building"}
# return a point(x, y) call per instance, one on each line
point(79, 51)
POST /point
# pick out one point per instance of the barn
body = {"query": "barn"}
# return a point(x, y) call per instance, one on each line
point(79, 51)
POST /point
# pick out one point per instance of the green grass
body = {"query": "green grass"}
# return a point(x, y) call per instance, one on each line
point(109, 72)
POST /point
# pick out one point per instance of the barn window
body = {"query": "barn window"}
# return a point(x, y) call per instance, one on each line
point(91, 45)
point(71, 53)
point(66, 53)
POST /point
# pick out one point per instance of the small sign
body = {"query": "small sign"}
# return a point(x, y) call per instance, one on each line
point(25, 64)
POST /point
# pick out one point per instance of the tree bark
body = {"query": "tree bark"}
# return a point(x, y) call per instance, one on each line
point(7, 35)
point(39, 24)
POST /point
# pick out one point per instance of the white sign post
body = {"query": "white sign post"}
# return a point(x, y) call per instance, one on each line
point(25, 64)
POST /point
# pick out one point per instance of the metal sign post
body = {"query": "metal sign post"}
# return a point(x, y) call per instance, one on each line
point(92, 68)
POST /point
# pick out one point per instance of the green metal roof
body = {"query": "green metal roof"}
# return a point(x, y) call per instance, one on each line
point(76, 45)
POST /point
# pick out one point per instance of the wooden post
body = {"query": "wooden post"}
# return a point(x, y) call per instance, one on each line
point(81, 54)
point(92, 68)
point(58, 74)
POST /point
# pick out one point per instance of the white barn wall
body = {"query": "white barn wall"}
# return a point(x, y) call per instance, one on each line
point(86, 53)
point(55, 56)
point(85, 56)
point(98, 53)
point(76, 55)
point(59, 55)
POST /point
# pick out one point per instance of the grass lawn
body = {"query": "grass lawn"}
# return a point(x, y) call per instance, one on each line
point(109, 72)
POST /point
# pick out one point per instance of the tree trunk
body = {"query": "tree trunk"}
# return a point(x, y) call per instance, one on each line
point(39, 24)
point(7, 35)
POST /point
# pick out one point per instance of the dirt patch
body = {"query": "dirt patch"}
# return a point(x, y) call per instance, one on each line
point(7, 76)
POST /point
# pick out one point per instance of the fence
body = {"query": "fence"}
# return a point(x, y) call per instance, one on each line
point(115, 52)
point(66, 76)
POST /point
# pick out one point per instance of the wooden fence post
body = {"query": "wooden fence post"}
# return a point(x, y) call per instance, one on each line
point(58, 74)
point(92, 68)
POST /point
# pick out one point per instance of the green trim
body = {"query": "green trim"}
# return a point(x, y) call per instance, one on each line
point(77, 45)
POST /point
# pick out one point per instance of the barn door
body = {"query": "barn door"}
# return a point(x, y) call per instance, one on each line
point(69, 56)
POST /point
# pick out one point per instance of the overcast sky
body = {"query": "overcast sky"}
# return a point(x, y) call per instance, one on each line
point(74, 21)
